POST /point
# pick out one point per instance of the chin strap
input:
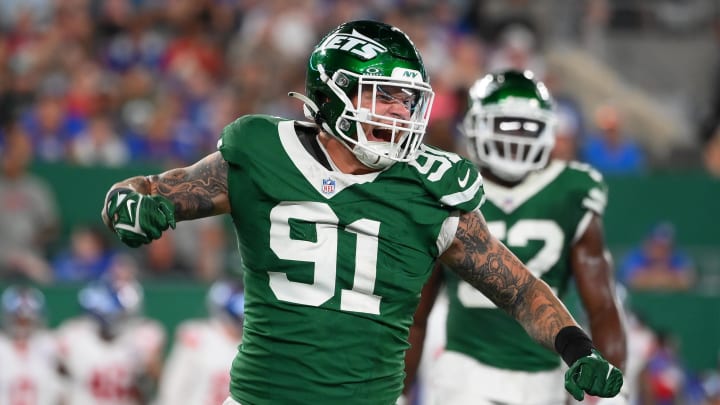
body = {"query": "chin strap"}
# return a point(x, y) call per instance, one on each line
point(310, 109)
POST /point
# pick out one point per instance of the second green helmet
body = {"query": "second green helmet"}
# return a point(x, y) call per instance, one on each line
point(509, 126)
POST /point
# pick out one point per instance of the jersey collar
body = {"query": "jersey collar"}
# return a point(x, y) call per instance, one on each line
point(327, 182)
point(508, 199)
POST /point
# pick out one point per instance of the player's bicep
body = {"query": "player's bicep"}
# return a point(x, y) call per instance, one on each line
point(197, 191)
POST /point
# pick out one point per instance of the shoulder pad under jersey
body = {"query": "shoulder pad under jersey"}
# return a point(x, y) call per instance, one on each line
point(588, 186)
point(245, 133)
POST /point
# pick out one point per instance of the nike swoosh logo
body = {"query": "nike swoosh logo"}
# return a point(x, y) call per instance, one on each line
point(130, 210)
point(121, 198)
point(462, 183)
point(135, 227)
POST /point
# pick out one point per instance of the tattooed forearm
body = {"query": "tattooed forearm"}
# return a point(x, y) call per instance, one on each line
point(484, 262)
point(138, 183)
point(198, 191)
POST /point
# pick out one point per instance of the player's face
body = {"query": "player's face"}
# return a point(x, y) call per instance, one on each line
point(23, 327)
point(387, 101)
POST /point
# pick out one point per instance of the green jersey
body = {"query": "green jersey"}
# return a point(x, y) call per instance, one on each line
point(333, 263)
point(539, 220)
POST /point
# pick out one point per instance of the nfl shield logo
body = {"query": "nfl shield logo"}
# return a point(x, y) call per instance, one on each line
point(328, 186)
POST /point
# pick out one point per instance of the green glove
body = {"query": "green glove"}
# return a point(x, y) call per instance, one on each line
point(138, 219)
point(594, 375)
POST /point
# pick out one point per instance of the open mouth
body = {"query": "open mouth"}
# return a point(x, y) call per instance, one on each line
point(382, 134)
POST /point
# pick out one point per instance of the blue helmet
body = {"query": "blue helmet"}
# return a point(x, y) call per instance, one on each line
point(226, 301)
point(111, 304)
point(23, 310)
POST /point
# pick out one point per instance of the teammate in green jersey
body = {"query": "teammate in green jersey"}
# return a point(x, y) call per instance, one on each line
point(549, 214)
point(339, 222)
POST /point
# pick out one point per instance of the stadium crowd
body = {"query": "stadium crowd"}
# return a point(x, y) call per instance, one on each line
point(118, 81)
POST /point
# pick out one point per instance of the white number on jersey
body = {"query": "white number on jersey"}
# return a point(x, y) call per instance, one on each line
point(323, 253)
point(439, 160)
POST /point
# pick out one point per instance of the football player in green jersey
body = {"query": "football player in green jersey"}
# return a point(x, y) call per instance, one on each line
point(339, 222)
point(549, 214)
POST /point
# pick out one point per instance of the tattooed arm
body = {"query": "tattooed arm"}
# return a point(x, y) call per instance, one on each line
point(484, 262)
point(196, 191)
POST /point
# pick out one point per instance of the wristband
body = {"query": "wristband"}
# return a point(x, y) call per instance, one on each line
point(573, 343)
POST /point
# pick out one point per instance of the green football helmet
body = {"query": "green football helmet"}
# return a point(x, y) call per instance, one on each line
point(368, 57)
point(509, 126)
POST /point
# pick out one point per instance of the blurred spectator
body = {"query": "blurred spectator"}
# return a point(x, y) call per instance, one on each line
point(658, 264)
point(160, 259)
point(130, 39)
point(99, 144)
point(84, 95)
point(197, 371)
point(711, 119)
point(88, 257)
point(570, 125)
point(610, 150)
point(111, 354)
point(517, 49)
point(450, 89)
point(51, 128)
point(28, 215)
point(663, 379)
point(711, 385)
point(201, 245)
point(642, 343)
point(194, 248)
point(166, 138)
point(567, 134)
point(212, 116)
point(28, 351)
point(192, 47)
point(711, 154)
point(37, 12)
point(286, 29)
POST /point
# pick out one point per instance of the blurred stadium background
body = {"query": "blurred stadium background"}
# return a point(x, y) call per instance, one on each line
point(94, 91)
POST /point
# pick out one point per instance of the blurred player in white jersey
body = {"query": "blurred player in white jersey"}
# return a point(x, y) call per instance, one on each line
point(197, 371)
point(28, 352)
point(111, 355)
